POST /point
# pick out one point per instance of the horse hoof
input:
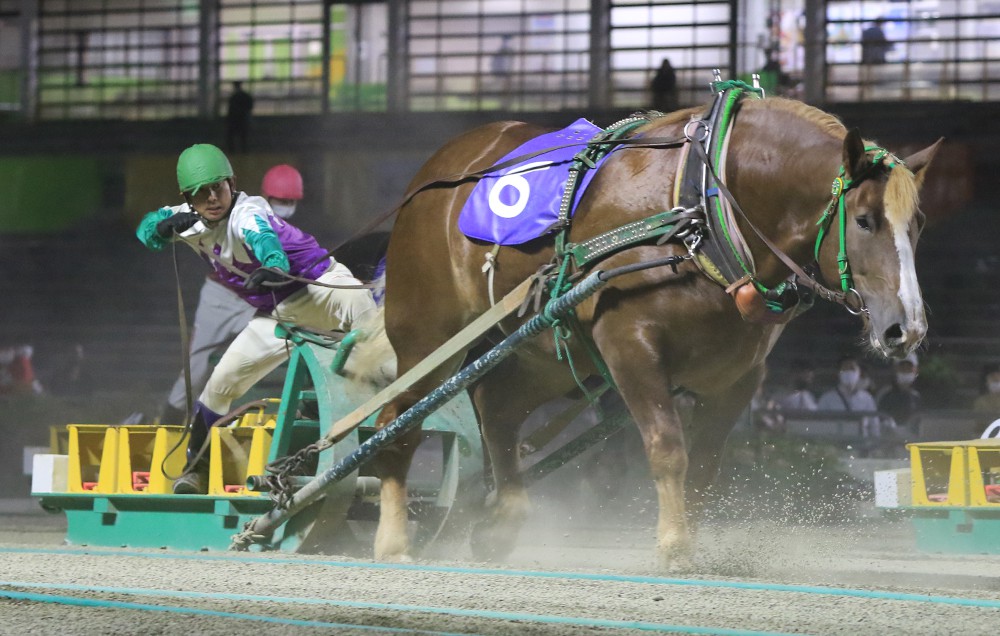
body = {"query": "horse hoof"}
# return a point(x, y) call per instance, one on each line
point(397, 557)
point(675, 561)
point(489, 544)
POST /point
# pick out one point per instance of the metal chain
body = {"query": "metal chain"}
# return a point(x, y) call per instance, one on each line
point(280, 482)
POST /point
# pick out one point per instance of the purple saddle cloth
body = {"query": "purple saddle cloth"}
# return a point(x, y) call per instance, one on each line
point(520, 203)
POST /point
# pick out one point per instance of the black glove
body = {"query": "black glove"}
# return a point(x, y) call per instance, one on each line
point(176, 224)
point(255, 282)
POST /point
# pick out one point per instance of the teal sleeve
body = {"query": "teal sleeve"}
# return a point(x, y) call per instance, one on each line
point(266, 247)
point(147, 229)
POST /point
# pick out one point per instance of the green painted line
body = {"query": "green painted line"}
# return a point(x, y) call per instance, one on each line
point(448, 611)
point(85, 602)
point(571, 576)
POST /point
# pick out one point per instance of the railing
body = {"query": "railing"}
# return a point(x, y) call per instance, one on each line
point(854, 427)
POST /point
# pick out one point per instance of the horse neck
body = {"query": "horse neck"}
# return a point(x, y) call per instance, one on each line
point(780, 168)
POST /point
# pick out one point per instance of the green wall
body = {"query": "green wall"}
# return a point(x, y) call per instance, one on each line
point(47, 194)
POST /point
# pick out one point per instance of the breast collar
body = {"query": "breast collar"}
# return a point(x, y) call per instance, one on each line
point(723, 254)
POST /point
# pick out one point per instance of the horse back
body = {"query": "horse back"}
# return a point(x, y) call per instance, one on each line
point(427, 251)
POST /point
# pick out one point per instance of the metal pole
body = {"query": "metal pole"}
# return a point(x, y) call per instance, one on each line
point(398, 72)
point(814, 70)
point(599, 97)
point(733, 37)
point(208, 55)
point(554, 310)
point(324, 99)
point(583, 442)
point(29, 59)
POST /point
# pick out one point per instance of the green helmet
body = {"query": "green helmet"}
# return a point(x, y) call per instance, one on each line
point(201, 165)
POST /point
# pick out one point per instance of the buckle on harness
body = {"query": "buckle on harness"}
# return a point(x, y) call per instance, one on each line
point(699, 133)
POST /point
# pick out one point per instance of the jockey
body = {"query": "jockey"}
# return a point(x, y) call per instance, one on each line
point(221, 314)
point(282, 187)
point(252, 251)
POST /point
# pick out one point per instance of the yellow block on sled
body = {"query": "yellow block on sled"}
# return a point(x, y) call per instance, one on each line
point(235, 454)
point(93, 455)
point(984, 472)
point(939, 474)
point(144, 466)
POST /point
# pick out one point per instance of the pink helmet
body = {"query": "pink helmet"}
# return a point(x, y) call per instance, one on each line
point(282, 182)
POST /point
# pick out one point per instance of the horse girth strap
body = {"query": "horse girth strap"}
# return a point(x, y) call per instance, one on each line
point(662, 226)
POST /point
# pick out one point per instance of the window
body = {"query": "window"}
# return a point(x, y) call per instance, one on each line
point(694, 36)
point(496, 54)
point(913, 50)
point(275, 47)
point(10, 56)
point(112, 59)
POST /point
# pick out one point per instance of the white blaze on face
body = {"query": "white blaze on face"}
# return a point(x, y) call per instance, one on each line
point(909, 288)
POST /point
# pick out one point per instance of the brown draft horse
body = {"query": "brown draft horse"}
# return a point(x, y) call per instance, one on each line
point(655, 328)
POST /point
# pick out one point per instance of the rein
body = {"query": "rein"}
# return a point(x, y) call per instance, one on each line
point(459, 178)
point(730, 93)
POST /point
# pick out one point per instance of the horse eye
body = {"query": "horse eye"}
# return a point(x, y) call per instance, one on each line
point(863, 223)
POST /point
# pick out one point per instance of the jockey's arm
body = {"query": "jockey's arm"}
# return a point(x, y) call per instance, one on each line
point(266, 246)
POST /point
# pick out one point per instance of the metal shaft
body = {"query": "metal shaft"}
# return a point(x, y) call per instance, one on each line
point(554, 310)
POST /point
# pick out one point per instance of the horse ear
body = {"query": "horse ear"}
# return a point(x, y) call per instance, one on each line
point(855, 160)
point(918, 161)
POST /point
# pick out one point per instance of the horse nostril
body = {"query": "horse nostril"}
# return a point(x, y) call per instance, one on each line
point(894, 333)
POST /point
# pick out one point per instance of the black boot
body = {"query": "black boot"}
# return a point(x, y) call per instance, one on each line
point(194, 480)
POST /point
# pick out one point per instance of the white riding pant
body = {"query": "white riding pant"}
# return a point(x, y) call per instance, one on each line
point(256, 351)
point(220, 317)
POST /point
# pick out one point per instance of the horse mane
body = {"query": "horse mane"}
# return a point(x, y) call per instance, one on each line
point(901, 197)
point(823, 120)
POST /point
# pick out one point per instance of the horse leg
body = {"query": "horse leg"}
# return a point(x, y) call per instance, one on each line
point(392, 463)
point(646, 391)
point(714, 416)
point(503, 400)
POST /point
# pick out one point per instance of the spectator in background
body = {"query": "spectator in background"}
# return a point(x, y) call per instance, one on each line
point(502, 66)
point(238, 118)
point(17, 373)
point(801, 397)
point(221, 313)
point(663, 88)
point(988, 400)
point(766, 411)
point(874, 45)
point(900, 400)
point(849, 395)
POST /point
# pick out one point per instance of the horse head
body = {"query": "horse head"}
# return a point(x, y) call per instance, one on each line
point(878, 236)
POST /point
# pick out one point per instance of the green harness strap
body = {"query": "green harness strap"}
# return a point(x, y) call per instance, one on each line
point(562, 331)
point(734, 92)
point(838, 205)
